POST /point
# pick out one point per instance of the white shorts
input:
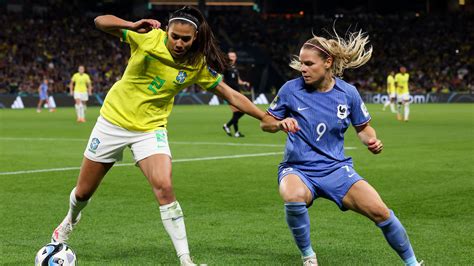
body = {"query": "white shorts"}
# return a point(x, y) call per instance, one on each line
point(392, 95)
point(83, 96)
point(107, 142)
point(403, 97)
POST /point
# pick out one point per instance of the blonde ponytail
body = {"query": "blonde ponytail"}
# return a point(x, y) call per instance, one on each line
point(350, 53)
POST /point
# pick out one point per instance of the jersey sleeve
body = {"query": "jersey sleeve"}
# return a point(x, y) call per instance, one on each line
point(136, 39)
point(279, 106)
point(208, 78)
point(359, 114)
point(88, 79)
point(74, 77)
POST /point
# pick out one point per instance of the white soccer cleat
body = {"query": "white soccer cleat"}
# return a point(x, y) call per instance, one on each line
point(185, 260)
point(227, 130)
point(64, 229)
point(420, 263)
point(310, 261)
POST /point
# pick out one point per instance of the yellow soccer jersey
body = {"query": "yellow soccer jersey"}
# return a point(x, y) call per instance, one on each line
point(143, 99)
point(390, 84)
point(80, 82)
point(402, 83)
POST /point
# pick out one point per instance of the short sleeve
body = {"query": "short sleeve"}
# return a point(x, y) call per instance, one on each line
point(73, 78)
point(359, 114)
point(136, 39)
point(208, 78)
point(279, 106)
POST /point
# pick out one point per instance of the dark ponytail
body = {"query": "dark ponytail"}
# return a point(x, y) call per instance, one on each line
point(205, 44)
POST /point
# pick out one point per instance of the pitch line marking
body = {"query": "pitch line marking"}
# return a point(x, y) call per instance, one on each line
point(171, 142)
point(130, 164)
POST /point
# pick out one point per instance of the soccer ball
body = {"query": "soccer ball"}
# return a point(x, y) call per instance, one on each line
point(56, 254)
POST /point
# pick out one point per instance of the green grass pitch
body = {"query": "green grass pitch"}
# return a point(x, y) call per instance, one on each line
point(233, 212)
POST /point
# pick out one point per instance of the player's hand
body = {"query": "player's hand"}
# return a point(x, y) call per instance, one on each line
point(375, 146)
point(288, 125)
point(145, 25)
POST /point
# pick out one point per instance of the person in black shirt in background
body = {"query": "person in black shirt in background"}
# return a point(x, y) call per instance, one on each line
point(232, 78)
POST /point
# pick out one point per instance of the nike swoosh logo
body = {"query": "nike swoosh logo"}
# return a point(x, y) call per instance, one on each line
point(302, 109)
point(351, 174)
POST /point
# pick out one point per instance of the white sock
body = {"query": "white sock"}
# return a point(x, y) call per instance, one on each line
point(173, 221)
point(406, 110)
point(392, 107)
point(386, 104)
point(78, 112)
point(81, 110)
point(75, 206)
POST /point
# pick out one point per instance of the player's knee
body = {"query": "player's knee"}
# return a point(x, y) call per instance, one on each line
point(164, 188)
point(293, 196)
point(379, 213)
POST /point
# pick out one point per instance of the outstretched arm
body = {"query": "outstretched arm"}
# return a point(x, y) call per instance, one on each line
point(238, 100)
point(112, 25)
point(272, 125)
point(368, 137)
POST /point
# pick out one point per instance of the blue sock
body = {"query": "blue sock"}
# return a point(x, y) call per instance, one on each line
point(397, 237)
point(298, 221)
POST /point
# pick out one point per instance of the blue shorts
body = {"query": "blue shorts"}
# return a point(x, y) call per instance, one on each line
point(332, 187)
point(43, 96)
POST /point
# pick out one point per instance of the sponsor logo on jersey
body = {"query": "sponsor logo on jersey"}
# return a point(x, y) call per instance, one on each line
point(342, 111)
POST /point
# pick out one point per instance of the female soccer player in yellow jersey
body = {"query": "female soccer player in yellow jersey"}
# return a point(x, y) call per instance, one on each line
point(136, 109)
point(403, 94)
point(391, 91)
point(80, 87)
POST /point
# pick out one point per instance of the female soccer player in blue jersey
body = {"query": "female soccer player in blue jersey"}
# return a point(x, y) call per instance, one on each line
point(43, 96)
point(316, 110)
point(136, 109)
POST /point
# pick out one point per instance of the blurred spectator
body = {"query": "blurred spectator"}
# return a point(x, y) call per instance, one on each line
point(437, 49)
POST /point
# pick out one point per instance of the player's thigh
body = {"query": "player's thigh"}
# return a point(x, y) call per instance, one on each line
point(364, 199)
point(157, 169)
point(234, 109)
point(293, 189)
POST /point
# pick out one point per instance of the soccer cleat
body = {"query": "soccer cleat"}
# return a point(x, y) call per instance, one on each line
point(185, 260)
point(64, 229)
point(420, 263)
point(310, 261)
point(227, 130)
point(239, 135)
point(399, 117)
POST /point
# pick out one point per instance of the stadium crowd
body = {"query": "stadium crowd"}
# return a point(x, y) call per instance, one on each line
point(437, 50)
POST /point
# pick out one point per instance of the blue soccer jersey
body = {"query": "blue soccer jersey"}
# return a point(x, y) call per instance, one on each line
point(323, 117)
point(43, 91)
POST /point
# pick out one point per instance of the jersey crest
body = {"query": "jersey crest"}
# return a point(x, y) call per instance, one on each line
point(342, 112)
point(181, 77)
